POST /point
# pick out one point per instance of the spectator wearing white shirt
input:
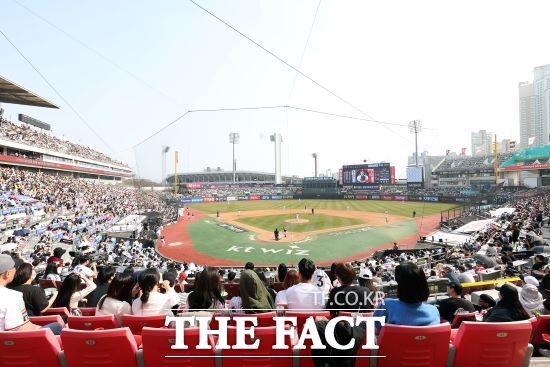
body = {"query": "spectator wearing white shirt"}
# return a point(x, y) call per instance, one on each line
point(13, 314)
point(70, 293)
point(305, 295)
point(51, 272)
point(152, 302)
point(83, 268)
point(118, 299)
point(291, 278)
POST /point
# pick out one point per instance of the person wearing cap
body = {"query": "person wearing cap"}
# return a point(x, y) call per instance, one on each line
point(13, 314)
point(531, 300)
point(485, 302)
point(449, 306)
point(56, 257)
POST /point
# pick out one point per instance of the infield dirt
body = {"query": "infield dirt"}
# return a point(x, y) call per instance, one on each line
point(368, 218)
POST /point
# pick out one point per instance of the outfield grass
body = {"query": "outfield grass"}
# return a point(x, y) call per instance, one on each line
point(316, 222)
point(378, 206)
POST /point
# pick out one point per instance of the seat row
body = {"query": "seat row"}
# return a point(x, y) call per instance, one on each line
point(475, 344)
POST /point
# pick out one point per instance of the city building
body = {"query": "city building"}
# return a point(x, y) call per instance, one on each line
point(429, 162)
point(482, 143)
point(534, 109)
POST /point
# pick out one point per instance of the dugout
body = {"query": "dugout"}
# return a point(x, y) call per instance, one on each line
point(319, 186)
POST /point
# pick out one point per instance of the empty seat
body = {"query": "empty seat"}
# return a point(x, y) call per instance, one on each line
point(45, 320)
point(87, 311)
point(263, 356)
point(92, 322)
point(414, 346)
point(136, 323)
point(457, 320)
point(157, 345)
point(61, 311)
point(492, 344)
point(47, 283)
point(301, 317)
point(29, 348)
point(264, 319)
point(113, 348)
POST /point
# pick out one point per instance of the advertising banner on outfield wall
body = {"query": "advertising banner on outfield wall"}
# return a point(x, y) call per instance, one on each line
point(361, 197)
point(254, 197)
point(400, 197)
point(231, 198)
point(209, 200)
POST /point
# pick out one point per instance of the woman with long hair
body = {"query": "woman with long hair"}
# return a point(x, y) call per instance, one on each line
point(152, 302)
point(206, 294)
point(118, 299)
point(292, 278)
point(69, 295)
point(412, 292)
point(34, 297)
point(508, 308)
point(51, 272)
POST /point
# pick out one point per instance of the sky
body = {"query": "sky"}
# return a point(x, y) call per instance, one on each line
point(131, 67)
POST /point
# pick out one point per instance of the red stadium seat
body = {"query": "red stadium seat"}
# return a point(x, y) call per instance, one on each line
point(492, 343)
point(470, 316)
point(136, 323)
point(264, 356)
point(264, 319)
point(92, 322)
point(302, 317)
point(96, 348)
point(29, 348)
point(157, 344)
point(61, 311)
point(541, 326)
point(45, 320)
point(415, 346)
point(47, 283)
point(87, 311)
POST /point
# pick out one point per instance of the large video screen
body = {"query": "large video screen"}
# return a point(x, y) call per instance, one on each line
point(371, 174)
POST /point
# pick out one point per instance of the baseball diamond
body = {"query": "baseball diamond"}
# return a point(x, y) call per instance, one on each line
point(232, 233)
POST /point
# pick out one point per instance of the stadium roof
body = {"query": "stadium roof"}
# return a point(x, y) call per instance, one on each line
point(13, 93)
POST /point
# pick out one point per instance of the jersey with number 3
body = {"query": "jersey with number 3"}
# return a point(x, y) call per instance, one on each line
point(321, 280)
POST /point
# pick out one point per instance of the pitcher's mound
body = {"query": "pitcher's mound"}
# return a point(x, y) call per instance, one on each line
point(297, 221)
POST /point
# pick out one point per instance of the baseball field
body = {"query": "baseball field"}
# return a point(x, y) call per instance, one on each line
point(232, 233)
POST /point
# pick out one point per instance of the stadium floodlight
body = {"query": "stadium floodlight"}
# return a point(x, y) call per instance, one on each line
point(315, 158)
point(415, 127)
point(234, 139)
point(164, 150)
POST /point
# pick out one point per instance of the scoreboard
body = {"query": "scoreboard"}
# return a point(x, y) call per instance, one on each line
point(367, 176)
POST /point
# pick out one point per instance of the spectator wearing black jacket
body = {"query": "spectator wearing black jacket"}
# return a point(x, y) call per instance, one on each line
point(104, 277)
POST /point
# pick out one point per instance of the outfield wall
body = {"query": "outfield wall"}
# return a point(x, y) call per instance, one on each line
point(433, 199)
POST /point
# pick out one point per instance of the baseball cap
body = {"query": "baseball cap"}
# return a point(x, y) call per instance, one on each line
point(58, 252)
point(6, 263)
point(365, 274)
point(456, 286)
point(529, 279)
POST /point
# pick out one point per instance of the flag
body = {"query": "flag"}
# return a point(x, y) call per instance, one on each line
point(531, 140)
point(463, 151)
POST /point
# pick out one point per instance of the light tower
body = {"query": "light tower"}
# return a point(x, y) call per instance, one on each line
point(415, 127)
point(315, 158)
point(234, 139)
point(277, 139)
point(164, 150)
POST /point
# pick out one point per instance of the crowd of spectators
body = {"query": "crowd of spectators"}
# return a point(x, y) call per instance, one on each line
point(25, 134)
point(241, 191)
